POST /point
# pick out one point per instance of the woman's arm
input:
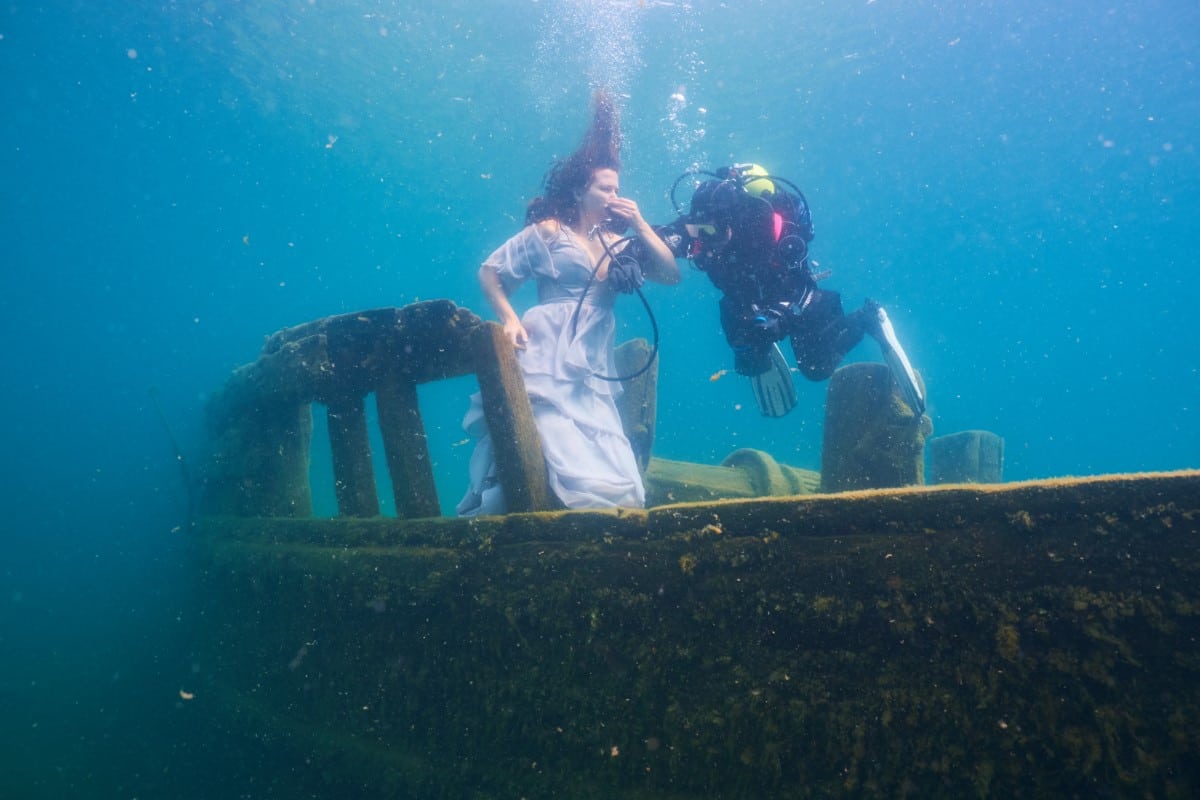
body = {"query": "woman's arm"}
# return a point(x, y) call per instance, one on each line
point(493, 291)
point(660, 265)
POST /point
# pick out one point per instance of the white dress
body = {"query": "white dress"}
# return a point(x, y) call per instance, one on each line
point(589, 461)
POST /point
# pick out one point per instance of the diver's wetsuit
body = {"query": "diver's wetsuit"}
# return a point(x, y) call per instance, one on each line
point(759, 260)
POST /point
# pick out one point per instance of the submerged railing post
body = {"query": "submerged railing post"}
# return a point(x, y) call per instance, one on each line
point(873, 440)
point(406, 447)
point(275, 461)
point(293, 494)
point(261, 423)
point(353, 475)
point(638, 402)
point(520, 466)
point(966, 457)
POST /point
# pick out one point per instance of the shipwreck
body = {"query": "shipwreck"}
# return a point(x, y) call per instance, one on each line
point(758, 631)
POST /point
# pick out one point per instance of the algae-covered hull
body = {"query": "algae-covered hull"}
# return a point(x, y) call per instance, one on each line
point(1033, 639)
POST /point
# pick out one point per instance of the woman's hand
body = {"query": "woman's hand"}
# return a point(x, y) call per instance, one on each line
point(626, 210)
point(516, 334)
point(661, 266)
point(493, 290)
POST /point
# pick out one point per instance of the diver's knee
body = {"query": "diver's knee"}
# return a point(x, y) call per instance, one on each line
point(814, 359)
point(751, 360)
point(815, 372)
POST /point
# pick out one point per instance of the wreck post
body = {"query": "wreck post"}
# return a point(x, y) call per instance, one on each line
point(966, 457)
point(353, 475)
point(406, 448)
point(873, 440)
point(520, 465)
point(281, 460)
point(638, 402)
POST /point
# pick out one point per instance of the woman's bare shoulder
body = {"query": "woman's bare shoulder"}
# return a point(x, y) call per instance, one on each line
point(547, 228)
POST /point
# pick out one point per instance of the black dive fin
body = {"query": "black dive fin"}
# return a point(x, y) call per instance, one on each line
point(774, 389)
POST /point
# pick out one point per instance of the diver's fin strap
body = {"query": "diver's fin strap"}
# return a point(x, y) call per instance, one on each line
point(897, 361)
point(774, 389)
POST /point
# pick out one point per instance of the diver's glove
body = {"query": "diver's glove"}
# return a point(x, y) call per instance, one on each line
point(625, 275)
point(770, 323)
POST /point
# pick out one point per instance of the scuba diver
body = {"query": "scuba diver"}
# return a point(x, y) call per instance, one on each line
point(749, 231)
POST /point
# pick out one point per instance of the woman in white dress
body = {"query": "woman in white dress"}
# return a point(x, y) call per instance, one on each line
point(564, 347)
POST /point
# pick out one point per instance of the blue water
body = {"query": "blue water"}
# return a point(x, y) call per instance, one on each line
point(1018, 185)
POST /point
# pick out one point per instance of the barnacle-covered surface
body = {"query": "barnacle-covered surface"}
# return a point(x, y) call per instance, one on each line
point(1035, 639)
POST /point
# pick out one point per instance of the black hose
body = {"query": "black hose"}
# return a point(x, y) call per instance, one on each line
point(645, 303)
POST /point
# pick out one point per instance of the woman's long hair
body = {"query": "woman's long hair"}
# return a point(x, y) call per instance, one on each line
point(600, 149)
